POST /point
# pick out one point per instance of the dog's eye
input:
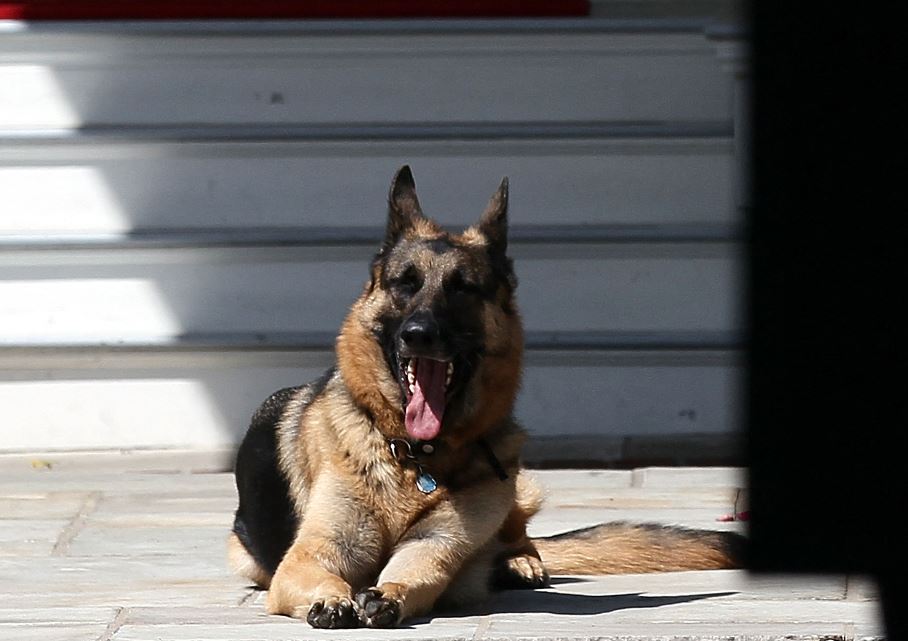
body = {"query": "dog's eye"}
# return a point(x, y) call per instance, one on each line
point(457, 284)
point(407, 283)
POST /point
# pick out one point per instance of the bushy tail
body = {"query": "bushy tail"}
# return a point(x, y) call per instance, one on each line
point(626, 548)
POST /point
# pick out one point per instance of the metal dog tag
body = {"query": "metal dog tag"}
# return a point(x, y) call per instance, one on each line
point(425, 482)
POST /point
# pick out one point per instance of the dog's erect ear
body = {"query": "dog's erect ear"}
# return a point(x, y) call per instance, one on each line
point(403, 206)
point(494, 220)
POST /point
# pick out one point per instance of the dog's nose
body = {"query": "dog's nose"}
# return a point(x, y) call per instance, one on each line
point(420, 333)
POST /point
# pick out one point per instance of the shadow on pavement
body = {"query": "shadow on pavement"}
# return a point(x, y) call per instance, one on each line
point(548, 602)
point(567, 580)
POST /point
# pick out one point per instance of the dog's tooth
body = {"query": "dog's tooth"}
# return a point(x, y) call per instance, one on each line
point(450, 369)
point(412, 388)
point(410, 369)
point(411, 377)
point(447, 380)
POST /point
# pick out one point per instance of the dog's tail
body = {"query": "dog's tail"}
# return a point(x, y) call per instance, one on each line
point(627, 548)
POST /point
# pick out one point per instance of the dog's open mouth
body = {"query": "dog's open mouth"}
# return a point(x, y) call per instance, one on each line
point(426, 382)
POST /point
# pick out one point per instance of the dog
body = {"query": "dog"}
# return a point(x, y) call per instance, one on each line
point(392, 485)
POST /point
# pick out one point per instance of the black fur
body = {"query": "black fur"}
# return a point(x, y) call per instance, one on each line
point(265, 521)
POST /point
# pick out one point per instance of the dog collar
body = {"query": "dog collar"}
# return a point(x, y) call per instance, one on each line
point(403, 452)
point(493, 460)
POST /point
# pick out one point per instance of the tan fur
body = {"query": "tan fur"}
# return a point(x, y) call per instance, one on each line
point(362, 506)
point(243, 564)
point(625, 548)
point(366, 532)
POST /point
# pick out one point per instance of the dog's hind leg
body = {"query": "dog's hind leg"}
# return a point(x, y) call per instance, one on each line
point(243, 563)
point(265, 522)
point(471, 584)
point(517, 570)
point(517, 564)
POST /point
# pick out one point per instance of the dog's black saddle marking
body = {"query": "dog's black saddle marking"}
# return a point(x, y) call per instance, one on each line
point(265, 521)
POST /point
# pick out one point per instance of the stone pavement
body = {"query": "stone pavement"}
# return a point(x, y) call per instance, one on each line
point(130, 546)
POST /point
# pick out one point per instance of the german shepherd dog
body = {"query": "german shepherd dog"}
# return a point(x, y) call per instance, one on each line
point(393, 484)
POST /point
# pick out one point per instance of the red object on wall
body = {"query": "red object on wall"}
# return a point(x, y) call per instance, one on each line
point(285, 9)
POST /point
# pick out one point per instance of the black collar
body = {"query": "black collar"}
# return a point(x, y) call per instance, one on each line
point(405, 450)
point(493, 460)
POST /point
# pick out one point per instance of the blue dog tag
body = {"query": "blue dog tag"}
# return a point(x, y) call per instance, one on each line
point(425, 482)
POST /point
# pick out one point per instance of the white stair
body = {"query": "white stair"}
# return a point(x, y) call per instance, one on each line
point(189, 209)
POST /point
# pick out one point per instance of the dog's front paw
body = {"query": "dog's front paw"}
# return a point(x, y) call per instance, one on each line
point(376, 610)
point(333, 613)
point(522, 571)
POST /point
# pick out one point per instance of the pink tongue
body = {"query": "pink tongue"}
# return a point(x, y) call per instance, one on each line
point(427, 404)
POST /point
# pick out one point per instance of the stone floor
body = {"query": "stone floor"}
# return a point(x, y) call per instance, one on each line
point(130, 546)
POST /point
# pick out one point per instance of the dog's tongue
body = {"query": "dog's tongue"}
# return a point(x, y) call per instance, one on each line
point(427, 404)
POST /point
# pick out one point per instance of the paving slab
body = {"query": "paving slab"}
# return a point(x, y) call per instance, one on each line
point(140, 487)
point(556, 480)
point(689, 477)
point(224, 502)
point(51, 632)
point(28, 537)
point(140, 540)
point(51, 616)
point(122, 460)
point(40, 505)
point(114, 547)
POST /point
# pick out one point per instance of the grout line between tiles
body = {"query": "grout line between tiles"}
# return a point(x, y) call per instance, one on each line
point(74, 527)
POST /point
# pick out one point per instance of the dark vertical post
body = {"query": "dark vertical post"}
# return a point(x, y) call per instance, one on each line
point(828, 376)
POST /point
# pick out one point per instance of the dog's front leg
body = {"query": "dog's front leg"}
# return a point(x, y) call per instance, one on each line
point(304, 589)
point(336, 545)
point(432, 551)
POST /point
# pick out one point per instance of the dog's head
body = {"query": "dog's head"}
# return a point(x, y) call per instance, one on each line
point(440, 310)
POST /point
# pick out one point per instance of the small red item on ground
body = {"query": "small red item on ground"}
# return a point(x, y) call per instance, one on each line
point(740, 516)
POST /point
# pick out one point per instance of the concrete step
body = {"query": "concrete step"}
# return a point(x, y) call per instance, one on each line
point(117, 77)
point(598, 406)
point(148, 171)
